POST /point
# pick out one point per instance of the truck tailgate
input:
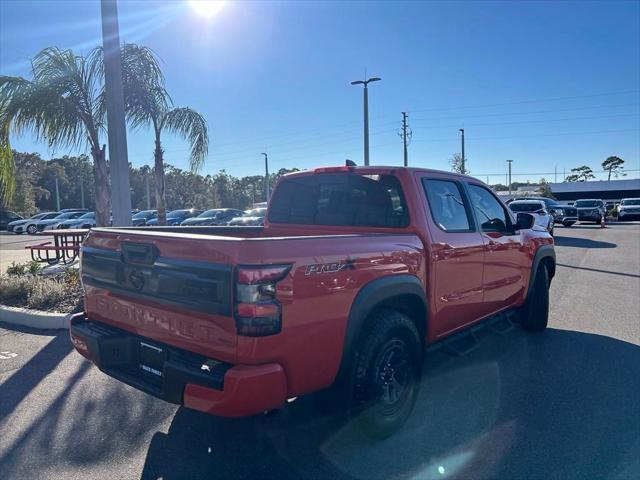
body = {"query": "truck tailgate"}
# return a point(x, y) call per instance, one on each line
point(177, 293)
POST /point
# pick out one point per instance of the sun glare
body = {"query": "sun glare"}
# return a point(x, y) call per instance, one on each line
point(206, 8)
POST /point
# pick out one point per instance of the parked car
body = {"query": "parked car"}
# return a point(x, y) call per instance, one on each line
point(29, 225)
point(66, 210)
point(52, 223)
point(142, 217)
point(7, 217)
point(87, 220)
point(538, 209)
point(176, 217)
point(17, 223)
point(250, 217)
point(628, 208)
point(357, 271)
point(215, 216)
point(590, 210)
point(566, 215)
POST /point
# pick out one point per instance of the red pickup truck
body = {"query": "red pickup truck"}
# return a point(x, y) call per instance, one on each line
point(356, 271)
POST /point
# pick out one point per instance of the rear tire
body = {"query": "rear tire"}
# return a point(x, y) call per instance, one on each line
point(534, 315)
point(385, 378)
point(568, 224)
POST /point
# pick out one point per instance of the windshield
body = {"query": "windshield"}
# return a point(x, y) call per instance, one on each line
point(635, 201)
point(525, 207)
point(62, 216)
point(587, 203)
point(256, 212)
point(177, 213)
point(144, 214)
point(88, 215)
point(38, 216)
point(210, 213)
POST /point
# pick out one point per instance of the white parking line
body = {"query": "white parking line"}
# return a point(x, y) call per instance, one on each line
point(7, 355)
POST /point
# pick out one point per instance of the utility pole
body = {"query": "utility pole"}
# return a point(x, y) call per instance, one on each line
point(464, 168)
point(116, 127)
point(266, 177)
point(555, 174)
point(406, 137)
point(146, 181)
point(81, 189)
point(57, 195)
point(509, 162)
point(366, 113)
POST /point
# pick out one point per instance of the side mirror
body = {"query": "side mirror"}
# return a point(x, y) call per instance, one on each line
point(524, 221)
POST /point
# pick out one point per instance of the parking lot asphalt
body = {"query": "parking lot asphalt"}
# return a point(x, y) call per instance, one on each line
point(561, 404)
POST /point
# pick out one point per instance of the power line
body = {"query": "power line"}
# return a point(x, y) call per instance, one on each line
point(521, 102)
point(530, 112)
point(531, 121)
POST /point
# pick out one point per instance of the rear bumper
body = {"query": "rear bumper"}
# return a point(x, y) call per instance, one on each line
point(567, 219)
point(219, 388)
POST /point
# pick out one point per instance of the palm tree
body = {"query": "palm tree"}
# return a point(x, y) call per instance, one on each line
point(63, 104)
point(148, 103)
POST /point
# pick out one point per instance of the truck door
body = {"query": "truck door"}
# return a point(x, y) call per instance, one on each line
point(457, 255)
point(506, 264)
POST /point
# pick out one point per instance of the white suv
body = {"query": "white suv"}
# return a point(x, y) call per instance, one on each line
point(538, 209)
point(628, 208)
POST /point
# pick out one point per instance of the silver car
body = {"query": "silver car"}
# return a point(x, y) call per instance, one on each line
point(538, 209)
point(590, 209)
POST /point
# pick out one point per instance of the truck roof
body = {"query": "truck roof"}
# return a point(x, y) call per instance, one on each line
point(388, 169)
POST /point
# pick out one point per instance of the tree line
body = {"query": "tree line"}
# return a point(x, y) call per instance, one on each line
point(35, 188)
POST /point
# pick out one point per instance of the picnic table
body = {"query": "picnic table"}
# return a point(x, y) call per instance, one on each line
point(64, 248)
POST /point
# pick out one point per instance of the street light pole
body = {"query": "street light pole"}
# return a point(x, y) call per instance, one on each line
point(81, 189)
point(57, 195)
point(146, 181)
point(266, 176)
point(464, 170)
point(116, 127)
point(366, 113)
point(509, 162)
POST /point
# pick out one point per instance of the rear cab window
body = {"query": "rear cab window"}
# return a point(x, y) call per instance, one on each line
point(344, 199)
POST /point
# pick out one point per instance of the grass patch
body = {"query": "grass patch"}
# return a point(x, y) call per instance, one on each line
point(54, 293)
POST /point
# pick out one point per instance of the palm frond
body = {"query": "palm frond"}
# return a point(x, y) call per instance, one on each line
point(192, 126)
point(145, 96)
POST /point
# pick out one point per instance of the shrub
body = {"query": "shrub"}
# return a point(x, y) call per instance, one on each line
point(19, 269)
point(61, 293)
point(47, 294)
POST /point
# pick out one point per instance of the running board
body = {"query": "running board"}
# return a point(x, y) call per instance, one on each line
point(464, 342)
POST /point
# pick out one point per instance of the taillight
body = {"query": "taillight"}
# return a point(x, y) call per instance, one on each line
point(257, 312)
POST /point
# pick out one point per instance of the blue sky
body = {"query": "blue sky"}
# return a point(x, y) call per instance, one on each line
point(551, 85)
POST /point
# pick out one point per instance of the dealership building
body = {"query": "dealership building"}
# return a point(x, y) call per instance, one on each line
point(612, 191)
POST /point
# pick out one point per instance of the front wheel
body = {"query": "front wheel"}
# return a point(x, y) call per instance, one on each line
point(534, 315)
point(32, 229)
point(386, 374)
point(568, 224)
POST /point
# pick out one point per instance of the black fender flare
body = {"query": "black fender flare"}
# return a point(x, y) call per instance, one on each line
point(543, 252)
point(370, 296)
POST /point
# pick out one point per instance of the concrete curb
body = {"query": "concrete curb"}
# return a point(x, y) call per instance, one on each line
point(34, 318)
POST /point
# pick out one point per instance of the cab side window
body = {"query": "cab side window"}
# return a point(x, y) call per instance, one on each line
point(447, 206)
point(491, 215)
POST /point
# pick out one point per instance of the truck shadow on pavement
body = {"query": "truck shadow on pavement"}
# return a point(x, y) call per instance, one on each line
point(582, 243)
point(560, 404)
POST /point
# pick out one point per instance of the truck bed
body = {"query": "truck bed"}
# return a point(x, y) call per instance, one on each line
point(176, 285)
